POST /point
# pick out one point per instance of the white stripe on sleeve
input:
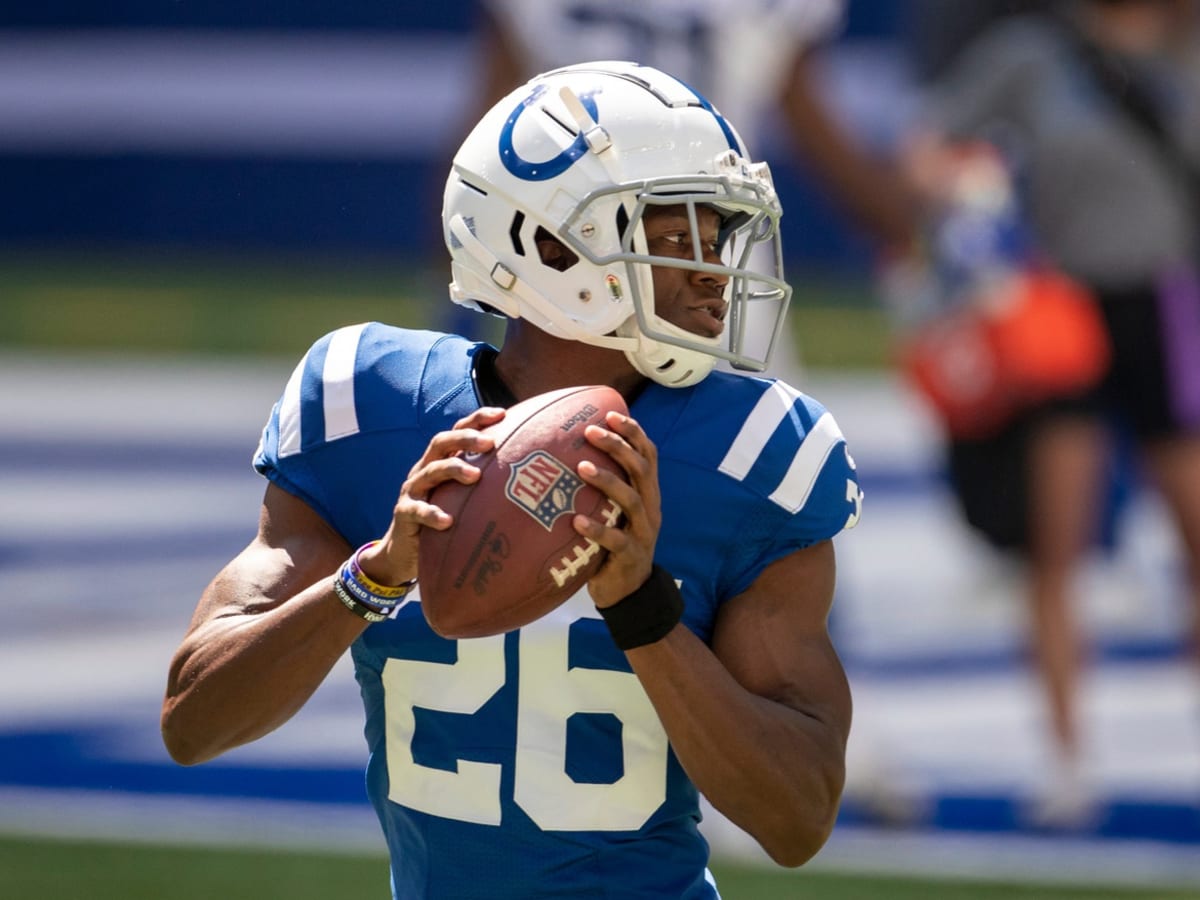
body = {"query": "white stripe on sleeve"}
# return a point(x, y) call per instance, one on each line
point(289, 412)
point(770, 410)
point(797, 484)
point(341, 418)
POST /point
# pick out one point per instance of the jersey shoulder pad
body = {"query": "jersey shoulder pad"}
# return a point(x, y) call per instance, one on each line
point(360, 378)
point(775, 443)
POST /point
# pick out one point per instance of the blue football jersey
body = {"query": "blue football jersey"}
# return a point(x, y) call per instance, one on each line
point(532, 764)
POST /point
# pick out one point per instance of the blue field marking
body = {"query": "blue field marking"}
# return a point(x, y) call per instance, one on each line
point(206, 457)
point(1118, 818)
point(67, 758)
point(952, 662)
point(210, 542)
point(101, 457)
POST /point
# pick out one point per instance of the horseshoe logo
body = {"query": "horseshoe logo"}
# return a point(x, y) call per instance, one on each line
point(550, 168)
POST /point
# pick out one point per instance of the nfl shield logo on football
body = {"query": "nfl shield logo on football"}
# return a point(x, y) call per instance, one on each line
point(543, 487)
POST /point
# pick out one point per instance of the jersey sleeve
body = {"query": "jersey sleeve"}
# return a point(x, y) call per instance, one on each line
point(353, 419)
point(316, 407)
point(792, 458)
point(779, 474)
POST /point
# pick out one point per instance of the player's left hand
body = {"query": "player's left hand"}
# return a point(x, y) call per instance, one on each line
point(630, 545)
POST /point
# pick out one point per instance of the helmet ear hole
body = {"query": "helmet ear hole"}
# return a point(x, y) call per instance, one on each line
point(553, 252)
point(514, 233)
point(622, 223)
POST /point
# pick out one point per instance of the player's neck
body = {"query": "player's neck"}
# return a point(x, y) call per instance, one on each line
point(532, 362)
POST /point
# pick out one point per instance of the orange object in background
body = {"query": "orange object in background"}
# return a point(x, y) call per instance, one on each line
point(1026, 338)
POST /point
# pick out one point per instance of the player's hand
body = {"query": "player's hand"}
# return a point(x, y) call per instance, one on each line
point(631, 545)
point(447, 458)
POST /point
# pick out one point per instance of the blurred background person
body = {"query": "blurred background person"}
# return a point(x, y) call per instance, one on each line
point(1090, 106)
point(938, 30)
point(758, 67)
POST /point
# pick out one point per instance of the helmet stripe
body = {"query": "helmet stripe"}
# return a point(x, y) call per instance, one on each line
point(705, 103)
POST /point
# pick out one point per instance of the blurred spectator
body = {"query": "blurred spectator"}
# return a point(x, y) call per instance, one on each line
point(938, 30)
point(1091, 103)
point(755, 65)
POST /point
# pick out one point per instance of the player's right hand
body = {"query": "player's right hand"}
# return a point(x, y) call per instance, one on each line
point(393, 560)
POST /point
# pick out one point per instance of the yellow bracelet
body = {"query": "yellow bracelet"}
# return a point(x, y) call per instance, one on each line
point(381, 591)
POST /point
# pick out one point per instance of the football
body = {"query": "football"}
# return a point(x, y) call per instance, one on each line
point(512, 554)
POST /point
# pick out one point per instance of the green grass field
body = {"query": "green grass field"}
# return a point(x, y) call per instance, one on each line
point(195, 304)
point(56, 870)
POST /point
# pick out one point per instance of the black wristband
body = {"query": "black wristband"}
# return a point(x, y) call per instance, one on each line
point(646, 615)
point(355, 606)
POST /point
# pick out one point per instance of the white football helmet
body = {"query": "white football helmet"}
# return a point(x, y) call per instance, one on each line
point(581, 152)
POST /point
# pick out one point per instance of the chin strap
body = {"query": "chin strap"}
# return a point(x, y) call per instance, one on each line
point(667, 364)
point(502, 275)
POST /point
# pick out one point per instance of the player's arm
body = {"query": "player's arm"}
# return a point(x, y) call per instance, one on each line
point(266, 632)
point(868, 188)
point(760, 720)
point(504, 66)
point(269, 627)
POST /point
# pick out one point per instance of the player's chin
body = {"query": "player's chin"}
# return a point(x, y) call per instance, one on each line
point(702, 322)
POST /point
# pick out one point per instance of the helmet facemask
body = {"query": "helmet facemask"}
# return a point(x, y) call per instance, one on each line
point(750, 261)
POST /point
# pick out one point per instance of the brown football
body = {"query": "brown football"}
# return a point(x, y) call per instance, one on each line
point(512, 554)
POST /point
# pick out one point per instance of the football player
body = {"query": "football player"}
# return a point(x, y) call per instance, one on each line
point(609, 213)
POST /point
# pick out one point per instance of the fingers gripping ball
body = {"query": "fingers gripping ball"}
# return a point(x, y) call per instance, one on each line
point(512, 554)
